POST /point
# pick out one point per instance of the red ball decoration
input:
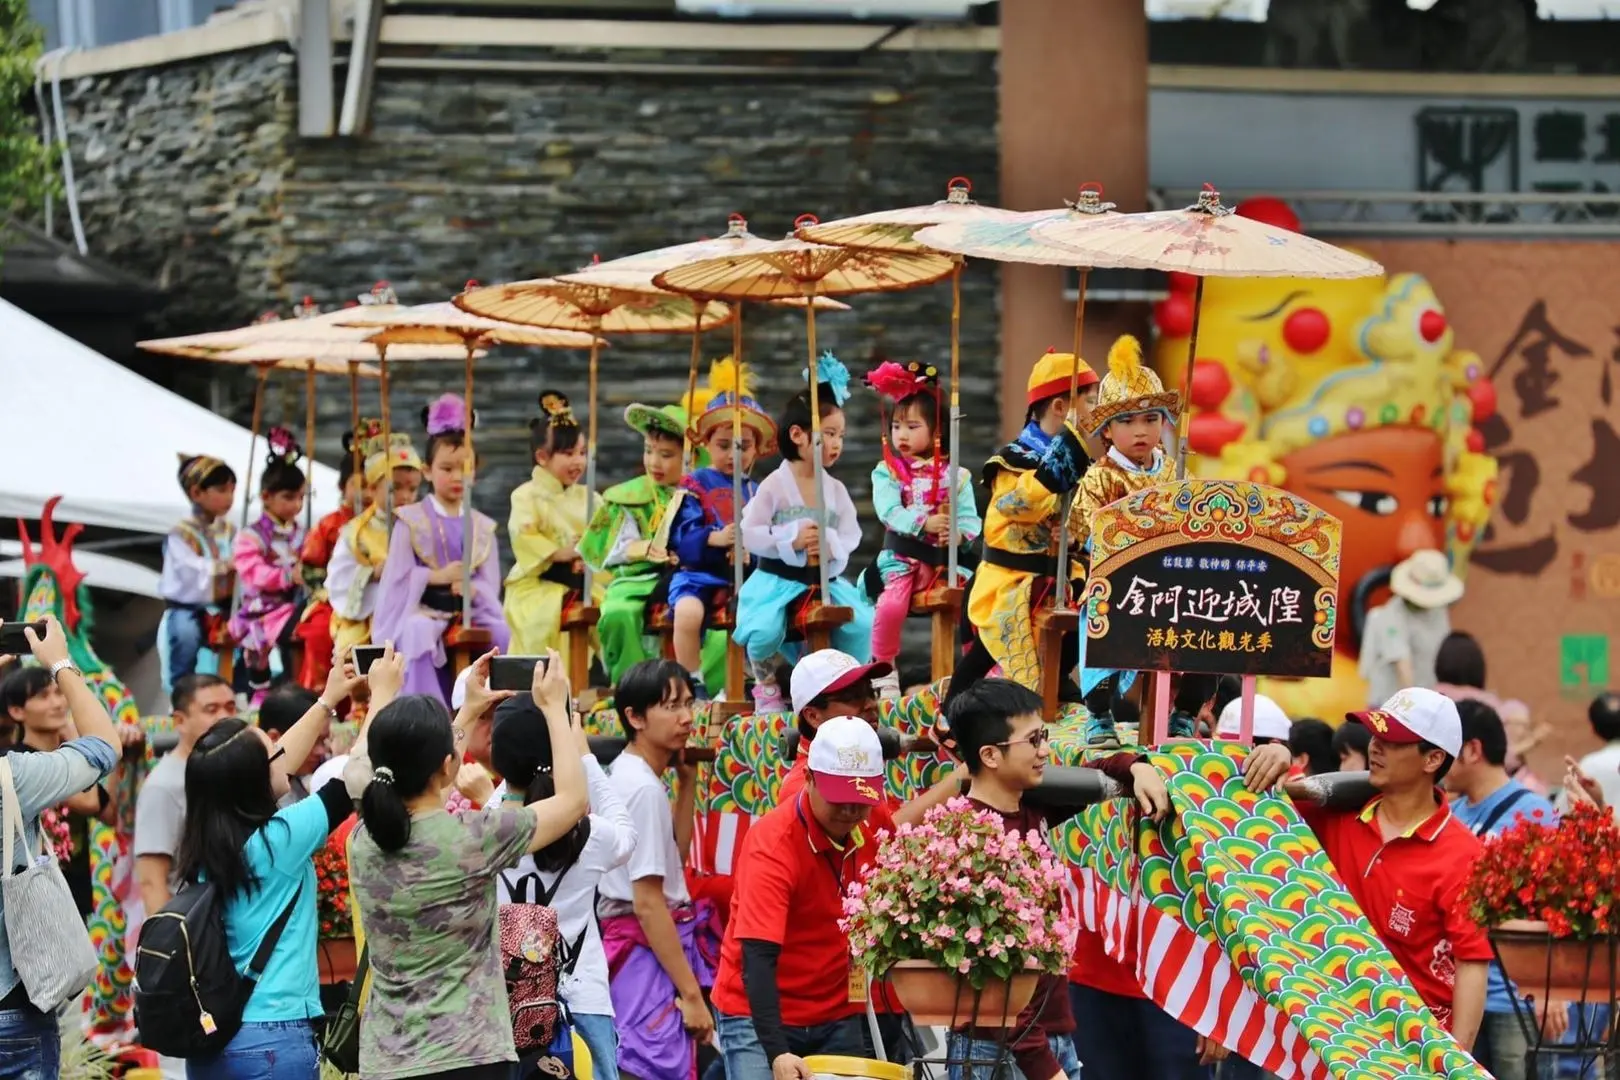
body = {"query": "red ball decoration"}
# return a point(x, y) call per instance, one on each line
point(1182, 283)
point(1476, 441)
point(1483, 397)
point(1307, 330)
point(1432, 325)
point(1211, 382)
point(1174, 316)
point(1270, 210)
point(1209, 432)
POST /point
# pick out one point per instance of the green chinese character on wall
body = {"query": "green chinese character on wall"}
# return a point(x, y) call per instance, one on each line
point(1583, 663)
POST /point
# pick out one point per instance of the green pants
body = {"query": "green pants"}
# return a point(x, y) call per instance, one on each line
point(625, 642)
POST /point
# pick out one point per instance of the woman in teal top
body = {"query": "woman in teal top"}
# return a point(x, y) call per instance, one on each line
point(261, 859)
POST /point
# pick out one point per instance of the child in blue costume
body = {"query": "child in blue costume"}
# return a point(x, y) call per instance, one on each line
point(780, 530)
point(704, 536)
point(199, 574)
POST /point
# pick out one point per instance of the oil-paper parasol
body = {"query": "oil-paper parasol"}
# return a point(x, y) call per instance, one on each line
point(1205, 240)
point(445, 325)
point(896, 230)
point(1012, 238)
point(790, 269)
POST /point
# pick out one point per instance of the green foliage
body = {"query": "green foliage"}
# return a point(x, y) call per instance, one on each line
point(25, 163)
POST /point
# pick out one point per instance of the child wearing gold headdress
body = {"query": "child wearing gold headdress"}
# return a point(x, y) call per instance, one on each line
point(392, 469)
point(1132, 414)
point(549, 514)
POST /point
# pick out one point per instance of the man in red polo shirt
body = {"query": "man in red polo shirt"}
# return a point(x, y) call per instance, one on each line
point(786, 989)
point(1405, 859)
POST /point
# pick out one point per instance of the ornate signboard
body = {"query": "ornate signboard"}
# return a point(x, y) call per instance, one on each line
point(1213, 576)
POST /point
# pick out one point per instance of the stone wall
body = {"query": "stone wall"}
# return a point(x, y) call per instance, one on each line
point(193, 174)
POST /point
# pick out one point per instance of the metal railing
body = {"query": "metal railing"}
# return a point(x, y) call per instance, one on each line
point(1505, 214)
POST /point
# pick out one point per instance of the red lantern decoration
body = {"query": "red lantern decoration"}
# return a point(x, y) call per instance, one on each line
point(1174, 316)
point(1211, 382)
point(1209, 432)
point(1482, 394)
point(1182, 282)
point(1270, 210)
point(1476, 441)
point(1432, 325)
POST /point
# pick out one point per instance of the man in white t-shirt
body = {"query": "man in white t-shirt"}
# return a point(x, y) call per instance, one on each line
point(1401, 639)
point(654, 702)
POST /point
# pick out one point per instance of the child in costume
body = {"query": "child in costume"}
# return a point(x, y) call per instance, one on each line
point(266, 557)
point(420, 599)
point(704, 534)
point(779, 528)
point(198, 573)
point(1132, 412)
point(629, 537)
point(315, 625)
point(911, 492)
point(391, 469)
point(549, 514)
point(1018, 562)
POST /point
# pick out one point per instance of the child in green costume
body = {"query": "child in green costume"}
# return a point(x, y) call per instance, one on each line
point(628, 538)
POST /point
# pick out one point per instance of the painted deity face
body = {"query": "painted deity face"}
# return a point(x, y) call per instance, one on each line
point(1387, 486)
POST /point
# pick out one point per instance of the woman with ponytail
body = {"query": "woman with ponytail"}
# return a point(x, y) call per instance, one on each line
point(425, 879)
point(266, 556)
point(549, 514)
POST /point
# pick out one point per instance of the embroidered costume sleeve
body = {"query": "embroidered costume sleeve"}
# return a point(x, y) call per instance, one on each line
point(888, 500)
point(968, 523)
point(188, 570)
point(1100, 487)
point(258, 566)
point(533, 530)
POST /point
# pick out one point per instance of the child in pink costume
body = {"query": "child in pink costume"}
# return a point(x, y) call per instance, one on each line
point(266, 558)
point(911, 494)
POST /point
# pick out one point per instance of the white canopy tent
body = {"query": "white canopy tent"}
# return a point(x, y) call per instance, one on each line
point(105, 439)
point(100, 571)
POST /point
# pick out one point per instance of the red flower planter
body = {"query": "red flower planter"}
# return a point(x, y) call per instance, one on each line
point(1545, 967)
point(936, 997)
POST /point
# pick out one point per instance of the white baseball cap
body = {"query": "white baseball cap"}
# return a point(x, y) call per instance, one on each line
point(1270, 722)
point(827, 671)
point(458, 693)
point(846, 761)
point(1415, 715)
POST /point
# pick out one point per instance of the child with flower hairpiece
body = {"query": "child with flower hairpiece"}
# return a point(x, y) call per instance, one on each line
point(199, 574)
point(315, 624)
point(549, 514)
point(911, 492)
point(704, 534)
point(420, 598)
point(392, 473)
point(266, 556)
point(779, 528)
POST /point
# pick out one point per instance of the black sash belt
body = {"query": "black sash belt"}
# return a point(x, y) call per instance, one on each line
point(1036, 563)
point(440, 598)
point(913, 548)
point(804, 575)
point(563, 574)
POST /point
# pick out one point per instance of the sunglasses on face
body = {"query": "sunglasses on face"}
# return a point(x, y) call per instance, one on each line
point(1036, 739)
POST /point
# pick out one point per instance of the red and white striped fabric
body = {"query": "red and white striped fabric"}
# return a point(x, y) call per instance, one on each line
point(1194, 981)
point(717, 836)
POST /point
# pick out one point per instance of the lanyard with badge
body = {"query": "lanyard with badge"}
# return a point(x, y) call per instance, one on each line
point(835, 864)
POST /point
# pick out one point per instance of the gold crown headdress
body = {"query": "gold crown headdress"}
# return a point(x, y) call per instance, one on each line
point(1130, 387)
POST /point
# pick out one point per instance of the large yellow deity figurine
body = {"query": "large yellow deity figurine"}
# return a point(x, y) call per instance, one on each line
point(1351, 395)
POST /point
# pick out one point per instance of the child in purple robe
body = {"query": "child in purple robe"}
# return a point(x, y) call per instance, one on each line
point(419, 597)
point(266, 556)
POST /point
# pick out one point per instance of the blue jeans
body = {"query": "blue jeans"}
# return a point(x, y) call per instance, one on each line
point(602, 1040)
point(183, 631)
point(282, 1050)
point(991, 1061)
point(745, 1058)
point(30, 1045)
point(1122, 1038)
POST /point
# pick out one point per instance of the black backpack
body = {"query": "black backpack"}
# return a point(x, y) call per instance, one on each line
point(189, 997)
